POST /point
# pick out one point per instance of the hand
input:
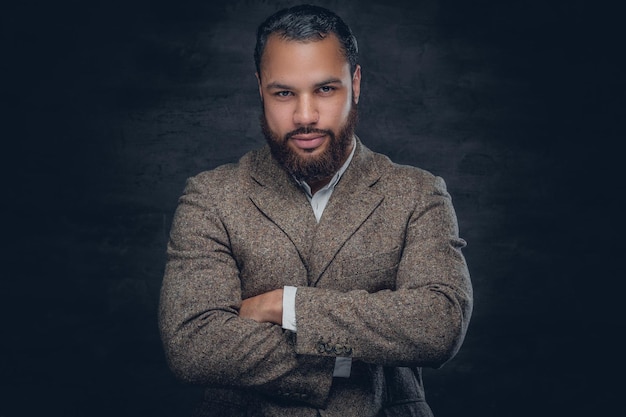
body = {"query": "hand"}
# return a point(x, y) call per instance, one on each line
point(264, 308)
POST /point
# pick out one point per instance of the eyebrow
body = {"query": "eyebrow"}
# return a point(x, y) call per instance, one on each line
point(277, 85)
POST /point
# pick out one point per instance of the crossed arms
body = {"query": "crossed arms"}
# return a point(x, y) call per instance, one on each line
point(213, 334)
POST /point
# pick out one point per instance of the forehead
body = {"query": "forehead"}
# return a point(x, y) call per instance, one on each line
point(288, 60)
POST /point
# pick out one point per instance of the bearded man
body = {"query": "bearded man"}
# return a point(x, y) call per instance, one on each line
point(314, 277)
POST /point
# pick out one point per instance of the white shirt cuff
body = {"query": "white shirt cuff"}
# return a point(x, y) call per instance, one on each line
point(289, 308)
point(343, 366)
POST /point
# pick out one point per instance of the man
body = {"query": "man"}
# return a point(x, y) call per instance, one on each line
point(314, 277)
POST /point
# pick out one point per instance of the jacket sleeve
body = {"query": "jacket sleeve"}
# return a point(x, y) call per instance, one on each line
point(204, 338)
point(420, 322)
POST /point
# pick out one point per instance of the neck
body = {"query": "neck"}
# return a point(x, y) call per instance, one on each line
point(318, 184)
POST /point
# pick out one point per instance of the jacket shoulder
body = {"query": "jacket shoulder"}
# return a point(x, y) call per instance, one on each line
point(405, 179)
point(223, 180)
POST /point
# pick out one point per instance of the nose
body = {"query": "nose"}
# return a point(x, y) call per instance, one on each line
point(306, 112)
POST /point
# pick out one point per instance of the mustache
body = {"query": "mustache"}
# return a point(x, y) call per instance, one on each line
point(308, 129)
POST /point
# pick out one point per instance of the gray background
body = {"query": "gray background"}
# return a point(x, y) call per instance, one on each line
point(109, 106)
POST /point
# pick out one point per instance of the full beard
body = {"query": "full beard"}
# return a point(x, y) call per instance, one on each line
point(312, 168)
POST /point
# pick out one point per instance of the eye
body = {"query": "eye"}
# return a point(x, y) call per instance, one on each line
point(326, 89)
point(282, 94)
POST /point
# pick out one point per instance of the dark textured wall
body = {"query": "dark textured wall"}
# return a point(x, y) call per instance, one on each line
point(109, 107)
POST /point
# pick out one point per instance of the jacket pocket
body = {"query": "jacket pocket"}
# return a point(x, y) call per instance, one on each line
point(404, 394)
point(373, 272)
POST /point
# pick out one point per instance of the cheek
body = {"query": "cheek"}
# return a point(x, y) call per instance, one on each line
point(278, 118)
point(337, 113)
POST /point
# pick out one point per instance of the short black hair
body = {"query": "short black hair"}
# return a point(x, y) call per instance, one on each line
point(306, 23)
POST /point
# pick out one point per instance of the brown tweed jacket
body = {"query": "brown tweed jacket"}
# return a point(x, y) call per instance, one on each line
point(380, 278)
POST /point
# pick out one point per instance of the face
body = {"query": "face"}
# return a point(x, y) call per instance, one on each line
point(309, 105)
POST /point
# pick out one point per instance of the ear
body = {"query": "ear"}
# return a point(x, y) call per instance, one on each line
point(356, 84)
point(258, 80)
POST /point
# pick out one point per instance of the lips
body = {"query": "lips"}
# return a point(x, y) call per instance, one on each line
point(308, 141)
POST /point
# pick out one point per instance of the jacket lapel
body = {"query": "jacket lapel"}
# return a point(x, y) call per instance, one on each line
point(281, 200)
point(351, 203)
